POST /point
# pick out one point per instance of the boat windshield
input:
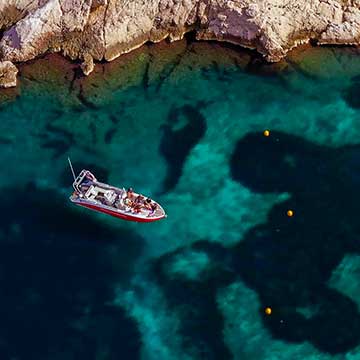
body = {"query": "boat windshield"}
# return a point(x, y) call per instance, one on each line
point(84, 177)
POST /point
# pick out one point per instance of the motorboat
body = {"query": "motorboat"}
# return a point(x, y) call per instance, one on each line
point(114, 201)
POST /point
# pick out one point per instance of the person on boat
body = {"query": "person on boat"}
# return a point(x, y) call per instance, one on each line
point(139, 199)
point(147, 204)
point(136, 208)
point(130, 193)
point(128, 202)
point(153, 207)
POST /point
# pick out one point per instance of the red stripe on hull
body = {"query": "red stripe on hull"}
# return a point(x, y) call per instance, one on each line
point(119, 215)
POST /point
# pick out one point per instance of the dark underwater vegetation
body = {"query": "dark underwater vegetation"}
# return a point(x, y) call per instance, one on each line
point(177, 144)
point(57, 278)
point(184, 123)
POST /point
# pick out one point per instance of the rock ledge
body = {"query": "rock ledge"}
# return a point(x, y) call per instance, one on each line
point(104, 29)
point(8, 72)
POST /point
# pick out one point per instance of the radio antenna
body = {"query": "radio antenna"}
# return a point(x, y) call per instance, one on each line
point(72, 170)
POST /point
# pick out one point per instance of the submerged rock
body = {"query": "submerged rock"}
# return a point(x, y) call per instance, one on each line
point(105, 29)
point(8, 73)
point(88, 65)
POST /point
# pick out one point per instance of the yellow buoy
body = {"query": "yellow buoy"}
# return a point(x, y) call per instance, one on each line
point(268, 311)
point(290, 213)
point(266, 133)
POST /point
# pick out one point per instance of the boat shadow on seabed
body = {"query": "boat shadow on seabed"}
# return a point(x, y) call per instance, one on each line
point(58, 270)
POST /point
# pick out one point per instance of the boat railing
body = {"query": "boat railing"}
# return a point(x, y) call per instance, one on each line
point(79, 179)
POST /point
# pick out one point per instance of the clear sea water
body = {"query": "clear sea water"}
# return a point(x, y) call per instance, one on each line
point(184, 124)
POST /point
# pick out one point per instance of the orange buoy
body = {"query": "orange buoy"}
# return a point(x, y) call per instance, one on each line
point(290, 213)
point(266, 133)
point(268, 311)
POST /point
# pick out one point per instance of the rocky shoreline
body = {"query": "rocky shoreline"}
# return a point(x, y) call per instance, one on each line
point(95, 30)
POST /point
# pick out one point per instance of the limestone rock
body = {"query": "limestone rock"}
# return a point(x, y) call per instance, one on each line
point(88, 64)
point(346, 31)
point(34, 34)
point(8, 73)
point(12, 11)
point(91, 40)
point(105, 29)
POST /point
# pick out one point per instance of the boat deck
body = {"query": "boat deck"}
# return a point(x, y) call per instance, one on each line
point(104, 196)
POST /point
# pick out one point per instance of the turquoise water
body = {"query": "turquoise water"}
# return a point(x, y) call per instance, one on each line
point(184, 124)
